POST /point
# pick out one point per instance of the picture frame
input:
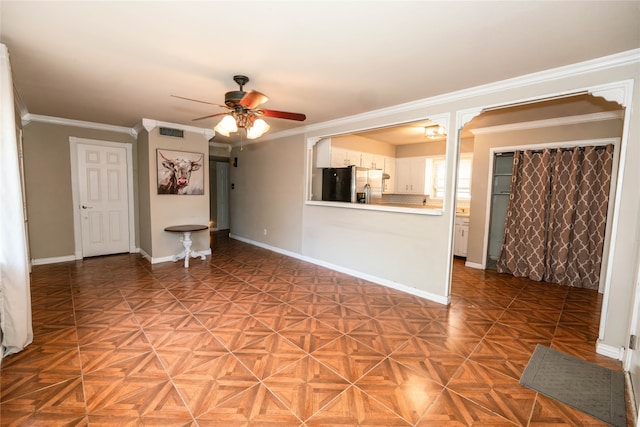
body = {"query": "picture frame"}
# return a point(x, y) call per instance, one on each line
point(180, 172)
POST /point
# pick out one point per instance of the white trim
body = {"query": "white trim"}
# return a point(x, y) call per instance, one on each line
point(616, 60)
point(354, 273)
point(622, 149)
point(463, 117)
point(53, 260)
point(75, 196)
point(158, 260)
point(270, 136)
point(613, 189)
point(473, 265)
point(169, 258)
point(27, 118)
point(150, 124)
point(145, 255)
point(629, 57)
point(609, 351)
point(615, 92)
point(558, 121)
point(557, 144)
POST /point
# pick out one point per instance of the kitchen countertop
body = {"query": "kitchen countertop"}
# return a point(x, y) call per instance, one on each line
point(388, 207)
point(405, 205)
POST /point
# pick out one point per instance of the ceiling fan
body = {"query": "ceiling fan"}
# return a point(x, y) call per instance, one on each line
point(244, 112)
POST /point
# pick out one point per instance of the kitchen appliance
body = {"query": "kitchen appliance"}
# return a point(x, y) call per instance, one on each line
point(348, 184)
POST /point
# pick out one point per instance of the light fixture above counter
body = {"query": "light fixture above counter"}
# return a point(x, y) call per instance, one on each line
point(435, 132)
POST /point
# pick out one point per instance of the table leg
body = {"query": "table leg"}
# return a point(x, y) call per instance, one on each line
point(186, 242)
point(187, 252)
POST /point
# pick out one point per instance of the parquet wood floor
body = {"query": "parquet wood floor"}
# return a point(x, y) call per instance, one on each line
point(254, 338)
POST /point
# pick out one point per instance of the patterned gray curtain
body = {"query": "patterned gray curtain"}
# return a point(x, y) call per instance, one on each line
point(555, 225)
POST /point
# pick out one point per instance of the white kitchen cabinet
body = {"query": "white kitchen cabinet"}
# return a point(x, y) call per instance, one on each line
point(389, 167)
point(410, 175)
point(366, 159)
point(341, 157)
point(328, 156)
point(461, 236)
point(323, 153)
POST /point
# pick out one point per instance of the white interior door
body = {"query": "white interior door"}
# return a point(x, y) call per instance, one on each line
point(103, 197)
point(222, 194)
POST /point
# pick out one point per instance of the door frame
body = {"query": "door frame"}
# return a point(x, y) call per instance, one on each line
point(616, 141)
point(75, 192)
point(224, 206)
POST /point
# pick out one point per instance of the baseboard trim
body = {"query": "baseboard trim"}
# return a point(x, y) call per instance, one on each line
point(53, 260)
point(380, 281)
point(169, 258)
point(610, 351)
point(475, 265)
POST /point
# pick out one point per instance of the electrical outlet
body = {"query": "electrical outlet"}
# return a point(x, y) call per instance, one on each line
point(265, 231)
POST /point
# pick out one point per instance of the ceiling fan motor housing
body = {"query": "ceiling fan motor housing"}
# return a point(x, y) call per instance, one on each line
point(231, 99)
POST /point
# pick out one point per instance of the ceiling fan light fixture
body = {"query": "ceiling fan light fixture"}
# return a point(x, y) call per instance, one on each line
point(259, 128)
point(226, 126)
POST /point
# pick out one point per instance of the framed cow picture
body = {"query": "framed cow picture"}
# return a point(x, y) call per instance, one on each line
point(180, 172)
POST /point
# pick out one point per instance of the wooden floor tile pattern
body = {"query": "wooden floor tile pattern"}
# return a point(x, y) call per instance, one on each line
point(255, 338)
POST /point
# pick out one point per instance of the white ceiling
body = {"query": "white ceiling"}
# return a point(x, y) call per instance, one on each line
point(118, 62)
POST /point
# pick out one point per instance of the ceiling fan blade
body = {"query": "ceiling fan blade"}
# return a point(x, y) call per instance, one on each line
point(197, 100)
point(284, 115)
point(252, 99)
point(209, 116)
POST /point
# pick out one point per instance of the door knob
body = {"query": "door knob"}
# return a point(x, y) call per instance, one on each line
point(86, 207)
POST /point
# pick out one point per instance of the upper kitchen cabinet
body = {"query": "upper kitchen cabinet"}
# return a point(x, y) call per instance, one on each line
point(408, 155)
point(411, 175)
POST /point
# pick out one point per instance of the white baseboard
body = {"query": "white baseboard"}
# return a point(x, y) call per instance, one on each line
point(53, 260)
point(610, 351)
point(384, 282)
point(145, 255)
point(169, 258)
point(67, 258)
point(473, 265)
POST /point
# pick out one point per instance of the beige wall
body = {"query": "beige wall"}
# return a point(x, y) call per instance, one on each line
point(268, 192)
point(168, 209)
point(431, 148)
point(482, 161)
point(363, 145)
point(47, 167)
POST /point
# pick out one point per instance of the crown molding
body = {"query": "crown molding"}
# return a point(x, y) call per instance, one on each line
point(620, 59)
point(149, 125)
point(270, 136)
point(558, 121)
point(28, 118)
point(629, 57)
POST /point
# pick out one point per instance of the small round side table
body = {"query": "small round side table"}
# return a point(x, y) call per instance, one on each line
point(186, 231)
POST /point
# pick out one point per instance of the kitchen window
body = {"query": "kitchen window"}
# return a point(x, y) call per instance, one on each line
point(439, 177)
